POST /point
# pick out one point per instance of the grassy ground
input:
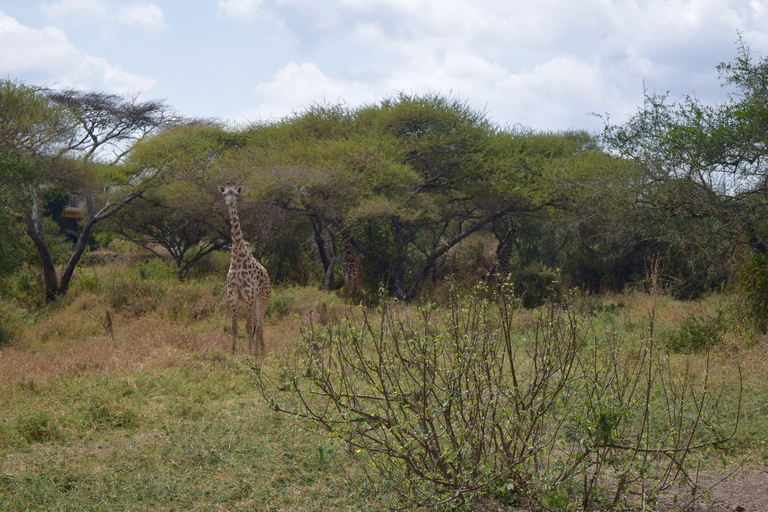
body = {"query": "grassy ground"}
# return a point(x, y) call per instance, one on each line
point(156, 416)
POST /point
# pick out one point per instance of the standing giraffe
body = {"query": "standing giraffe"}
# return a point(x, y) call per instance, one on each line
point(351, 269)
point(501, 270)
point(247, 280)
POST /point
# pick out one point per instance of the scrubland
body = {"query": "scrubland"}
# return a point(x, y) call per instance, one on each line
point(122, 395)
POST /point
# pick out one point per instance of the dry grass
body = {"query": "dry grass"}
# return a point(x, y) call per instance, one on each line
point(199, 426)
point(72, 336)
point(158, 344)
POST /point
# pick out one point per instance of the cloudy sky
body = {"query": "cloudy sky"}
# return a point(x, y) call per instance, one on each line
point(543, 64)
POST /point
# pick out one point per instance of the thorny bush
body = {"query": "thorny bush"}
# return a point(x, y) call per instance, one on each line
point(471, 405)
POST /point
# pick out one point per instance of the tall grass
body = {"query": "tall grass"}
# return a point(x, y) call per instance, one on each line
point(156, 416)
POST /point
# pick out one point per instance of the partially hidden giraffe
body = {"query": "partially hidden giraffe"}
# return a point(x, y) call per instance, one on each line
point(351, 270)
point(501, 270)
point(247, 280)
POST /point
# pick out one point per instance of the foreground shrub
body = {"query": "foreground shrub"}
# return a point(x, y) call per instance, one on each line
point(465, 405)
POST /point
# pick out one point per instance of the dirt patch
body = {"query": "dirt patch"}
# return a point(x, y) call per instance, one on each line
point(741, 490)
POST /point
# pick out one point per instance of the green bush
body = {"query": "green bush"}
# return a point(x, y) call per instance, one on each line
point(696, 335)
point(86, 283)
point(280, 304)
point(154, 268)
point(754, 290)
point(25, 287)
point(13, 242)
point(535, 283)
point(129, 291)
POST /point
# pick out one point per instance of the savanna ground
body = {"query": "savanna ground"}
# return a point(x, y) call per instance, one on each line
point(147, 410)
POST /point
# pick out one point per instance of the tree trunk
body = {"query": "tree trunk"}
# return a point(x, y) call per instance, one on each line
point(317, 228)
point(396, 272)
point(34, 222)
point(53, 287)
point(329, 273)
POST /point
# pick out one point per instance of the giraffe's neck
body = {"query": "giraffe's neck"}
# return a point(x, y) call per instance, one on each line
point(349, 252)
point(239, 252)
point(506, 255)
point(506, 251)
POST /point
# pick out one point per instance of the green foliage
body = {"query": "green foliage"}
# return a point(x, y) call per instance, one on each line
point(410, 177)
point(700, 183)
point(153, 269)
point(288, 260)
point(59, 244)
point(697, 335)
point(25, 287)
point(281, 303)
point(153, 287)
point(31, 122)
point(86, 283)
point(12, 318)
point(14, 244)
point(131, 292)
point(463, 406)
point(536, 283)
point(753, 287)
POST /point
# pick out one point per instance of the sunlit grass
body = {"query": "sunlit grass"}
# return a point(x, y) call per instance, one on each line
point(156, 415)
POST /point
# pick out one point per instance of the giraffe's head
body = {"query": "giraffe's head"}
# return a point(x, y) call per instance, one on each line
point(230, 193)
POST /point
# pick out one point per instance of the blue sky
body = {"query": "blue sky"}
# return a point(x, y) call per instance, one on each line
point(545, 65)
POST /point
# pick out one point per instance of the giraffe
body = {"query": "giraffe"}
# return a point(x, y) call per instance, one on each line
point(247, 280)
point(351, 269)
point(501, 270)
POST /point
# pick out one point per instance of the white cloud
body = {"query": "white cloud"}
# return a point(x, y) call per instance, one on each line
point(79, 11)
point(537, 62)
point(47, 56)
point(26, 49)
point(144, 15)
point(240, 9)
point(545, 63)
point(295, 87)
point(96, 73)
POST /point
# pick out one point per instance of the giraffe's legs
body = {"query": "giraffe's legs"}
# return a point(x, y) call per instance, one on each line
point(249, 326)
point(260, 311)
point(233, 314)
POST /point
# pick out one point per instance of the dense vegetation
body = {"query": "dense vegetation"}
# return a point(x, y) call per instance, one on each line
point(149, 411)
point(413, 179)
point(565, 384)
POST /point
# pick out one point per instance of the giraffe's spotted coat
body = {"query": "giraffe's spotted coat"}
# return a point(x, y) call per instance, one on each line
point(501, 268)
point(351, 270)
point(247, 280)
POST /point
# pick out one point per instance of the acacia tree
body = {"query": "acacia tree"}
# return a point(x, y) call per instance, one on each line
point(408, 178)
point(74, 141)
point(702, 169)
point(182, 216)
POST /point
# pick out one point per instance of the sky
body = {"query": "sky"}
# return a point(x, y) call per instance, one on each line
point(547, 65)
